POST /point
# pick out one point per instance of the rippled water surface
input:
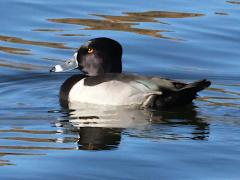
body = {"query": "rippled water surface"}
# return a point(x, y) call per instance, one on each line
point(185, 40)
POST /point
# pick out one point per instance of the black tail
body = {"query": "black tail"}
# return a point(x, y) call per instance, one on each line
point(181, 97)
point(196, 86)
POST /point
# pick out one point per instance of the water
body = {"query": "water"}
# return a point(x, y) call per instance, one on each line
point(185, 40)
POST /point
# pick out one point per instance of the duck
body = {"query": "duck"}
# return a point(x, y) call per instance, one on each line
point(102, 81)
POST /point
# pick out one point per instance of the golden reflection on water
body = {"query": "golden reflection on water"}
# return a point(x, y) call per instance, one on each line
point(95, 24)
point(127, 21)
point(36, 139)
point(12, 50)
point(68, 34)
point(225, 98)
point(24, 51)
point(35, 43)
point(7, 162)
point(233, 2)
point(222, 90)
point(48, 30)
point(36, 148)
point(30, 139)
point(221, 13)
point(210, 101)
point(27, 131)
point(149, 16)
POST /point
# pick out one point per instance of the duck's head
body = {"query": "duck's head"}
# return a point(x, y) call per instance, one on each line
point(95, 57)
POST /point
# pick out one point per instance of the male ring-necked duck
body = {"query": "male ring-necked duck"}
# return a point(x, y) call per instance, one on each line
point(103, 82)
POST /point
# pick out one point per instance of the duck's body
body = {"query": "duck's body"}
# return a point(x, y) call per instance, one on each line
point(128, 90)
point(103, 82)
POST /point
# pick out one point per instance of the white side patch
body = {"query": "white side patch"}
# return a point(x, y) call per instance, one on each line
point(111, 93)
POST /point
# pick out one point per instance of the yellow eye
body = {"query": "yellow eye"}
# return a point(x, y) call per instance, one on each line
point(90, 50)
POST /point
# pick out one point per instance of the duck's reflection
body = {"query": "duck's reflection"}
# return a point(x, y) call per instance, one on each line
point(96, 138)
point(101, 128)
point(182, 123)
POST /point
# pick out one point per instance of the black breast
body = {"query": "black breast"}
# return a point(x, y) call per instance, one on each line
point(66, 87)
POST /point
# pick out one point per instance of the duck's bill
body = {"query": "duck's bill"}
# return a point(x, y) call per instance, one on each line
point(67, 65)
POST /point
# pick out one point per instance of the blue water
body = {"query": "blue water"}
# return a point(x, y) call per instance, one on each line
point(184, 40)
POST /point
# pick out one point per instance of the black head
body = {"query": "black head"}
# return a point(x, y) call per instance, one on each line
point(100, 55)
point(95, 57)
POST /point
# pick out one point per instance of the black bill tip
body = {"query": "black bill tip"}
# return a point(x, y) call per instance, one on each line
point(52, 70)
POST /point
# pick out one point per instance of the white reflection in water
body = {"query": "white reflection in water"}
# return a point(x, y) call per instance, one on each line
point(89, 115)
point(94, 122)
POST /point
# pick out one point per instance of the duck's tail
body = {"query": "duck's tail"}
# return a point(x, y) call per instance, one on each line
point(196, 86)
point(181, 97)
